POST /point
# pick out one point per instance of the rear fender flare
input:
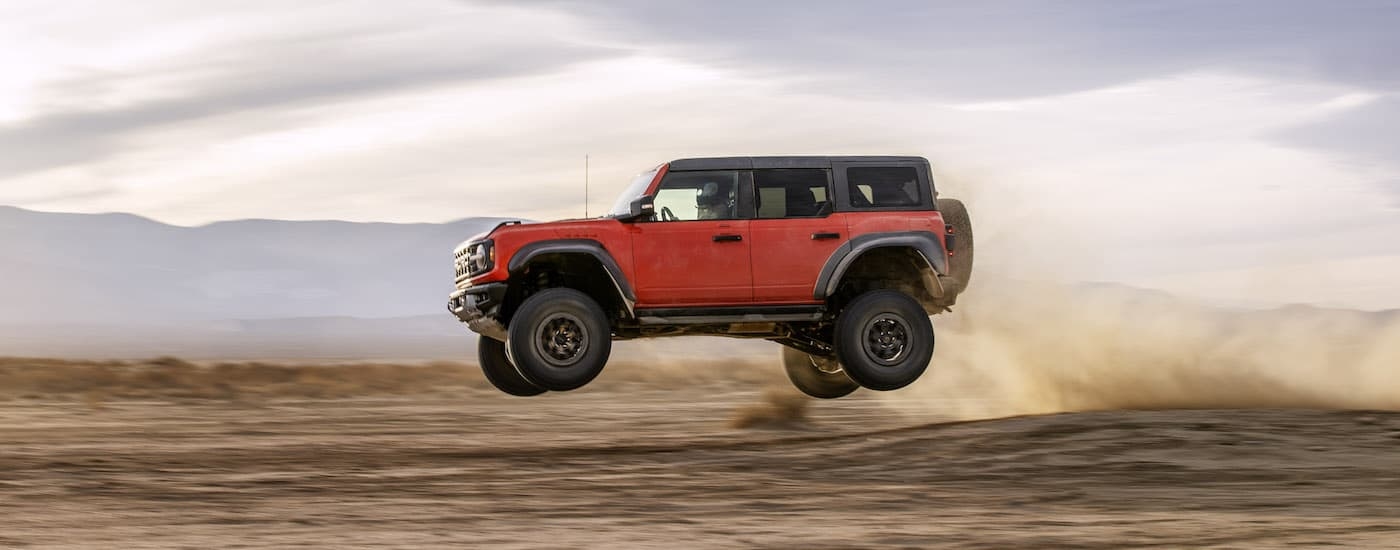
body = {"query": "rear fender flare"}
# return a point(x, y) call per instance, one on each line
point(925, 244)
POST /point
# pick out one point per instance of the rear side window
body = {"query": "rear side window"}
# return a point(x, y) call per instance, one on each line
point(791, 193)
point(883, 186)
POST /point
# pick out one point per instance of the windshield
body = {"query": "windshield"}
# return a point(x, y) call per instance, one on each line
point(639, 185)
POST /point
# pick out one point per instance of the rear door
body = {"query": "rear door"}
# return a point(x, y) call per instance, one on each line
point(697, 250)
point(880, 197)
point(794, 232)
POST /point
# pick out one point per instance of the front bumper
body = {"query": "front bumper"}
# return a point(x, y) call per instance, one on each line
point(479, 307)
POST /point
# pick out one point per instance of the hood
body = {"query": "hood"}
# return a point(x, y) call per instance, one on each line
point(517, 230)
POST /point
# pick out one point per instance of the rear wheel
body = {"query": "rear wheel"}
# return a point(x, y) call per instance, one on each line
point(560, 339)
point(960, 262)
point(499, 371)
point(884, 340)
point(817, 376)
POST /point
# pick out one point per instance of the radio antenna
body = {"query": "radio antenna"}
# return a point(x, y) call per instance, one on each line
point(585, 186)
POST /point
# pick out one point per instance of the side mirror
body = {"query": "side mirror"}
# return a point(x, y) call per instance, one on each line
point(641, 208)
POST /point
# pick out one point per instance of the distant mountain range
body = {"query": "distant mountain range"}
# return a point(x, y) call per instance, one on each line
point(125, 269)
point(95, 285)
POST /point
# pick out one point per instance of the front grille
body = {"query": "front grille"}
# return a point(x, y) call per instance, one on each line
point(459, 260)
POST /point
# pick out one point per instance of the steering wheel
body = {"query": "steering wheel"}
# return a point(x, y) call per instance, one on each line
point(668, 216)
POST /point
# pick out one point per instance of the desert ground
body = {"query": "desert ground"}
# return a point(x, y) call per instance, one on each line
point(168, 454)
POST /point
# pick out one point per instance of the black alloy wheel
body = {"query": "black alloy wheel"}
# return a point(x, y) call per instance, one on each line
point(560, 339)
point(884, 340)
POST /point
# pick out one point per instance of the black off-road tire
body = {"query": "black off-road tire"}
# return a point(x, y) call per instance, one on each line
point(803, 372)
point(499, 371)
point(960, 264)
point(560, 339)
point(884, 340)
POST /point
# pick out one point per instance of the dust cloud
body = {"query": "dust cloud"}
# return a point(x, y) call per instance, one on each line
point(1019, 347)
point(1025, 339)
point(781, 409)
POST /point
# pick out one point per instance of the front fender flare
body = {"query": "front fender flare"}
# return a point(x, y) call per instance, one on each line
point(525, 254)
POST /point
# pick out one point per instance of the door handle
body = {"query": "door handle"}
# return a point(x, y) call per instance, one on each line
point(825, 235)
point(728, 238)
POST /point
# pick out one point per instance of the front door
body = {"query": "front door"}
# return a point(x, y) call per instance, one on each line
point(696, 251)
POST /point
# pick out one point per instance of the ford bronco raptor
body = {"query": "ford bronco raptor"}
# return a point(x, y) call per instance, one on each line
point(840, 259)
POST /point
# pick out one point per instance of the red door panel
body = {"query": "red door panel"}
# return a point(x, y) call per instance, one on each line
point(692, 263)
point(789, 253)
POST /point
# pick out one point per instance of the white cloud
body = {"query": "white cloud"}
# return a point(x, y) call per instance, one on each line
point(1160, 179)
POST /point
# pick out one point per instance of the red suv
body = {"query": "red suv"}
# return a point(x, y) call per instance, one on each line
point(839, 259)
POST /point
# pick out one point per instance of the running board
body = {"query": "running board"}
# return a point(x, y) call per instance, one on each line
point(727, 315)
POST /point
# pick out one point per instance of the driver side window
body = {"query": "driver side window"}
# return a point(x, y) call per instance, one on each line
point(691, 196)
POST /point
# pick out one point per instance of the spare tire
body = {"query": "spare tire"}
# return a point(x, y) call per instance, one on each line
point(960, 261)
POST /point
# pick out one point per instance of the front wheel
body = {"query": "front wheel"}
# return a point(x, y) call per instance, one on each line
point(884, 340)
point(560, 339)
point(499, 371)
point(819, 377)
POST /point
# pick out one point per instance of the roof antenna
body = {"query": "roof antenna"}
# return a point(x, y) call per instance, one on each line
point(585, 186)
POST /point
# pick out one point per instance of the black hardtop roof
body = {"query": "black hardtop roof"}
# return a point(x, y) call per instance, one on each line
point(747, 163)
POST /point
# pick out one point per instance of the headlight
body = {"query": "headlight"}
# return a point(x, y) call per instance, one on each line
point(481, 257)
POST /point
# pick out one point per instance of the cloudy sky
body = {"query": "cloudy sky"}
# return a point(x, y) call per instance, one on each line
point(1246, 152)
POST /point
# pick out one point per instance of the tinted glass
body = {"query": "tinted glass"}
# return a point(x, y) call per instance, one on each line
point(791, 193)
point(688, 196)
point(880, 186)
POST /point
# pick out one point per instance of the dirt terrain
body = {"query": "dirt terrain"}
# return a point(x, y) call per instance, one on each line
point(643, 465)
